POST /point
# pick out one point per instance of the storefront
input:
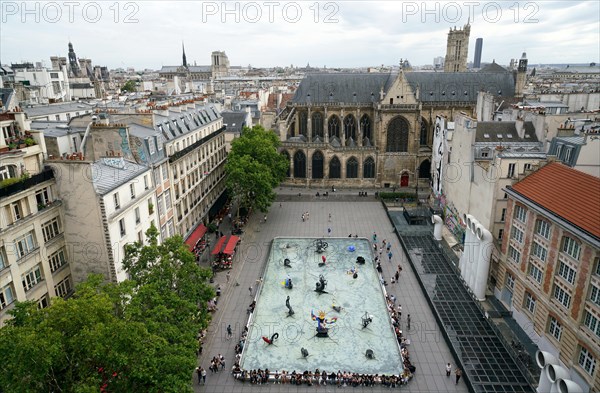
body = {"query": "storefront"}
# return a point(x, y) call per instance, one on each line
point(198, 241)
point(224, 251)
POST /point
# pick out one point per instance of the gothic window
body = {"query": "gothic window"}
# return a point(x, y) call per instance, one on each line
point(365, 125)
point(334, 168)
point(317, 165)
point(369, 168)
point(333, 126)
point(397, 135)
point(300, 164)
point(287, 157)
point(423, 137)
point(352, 168)
point(349, 127)
point(317, 124)
point(303, 124)
point(425, 170)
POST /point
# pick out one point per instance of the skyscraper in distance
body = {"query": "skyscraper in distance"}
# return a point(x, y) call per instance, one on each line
point(478, 48)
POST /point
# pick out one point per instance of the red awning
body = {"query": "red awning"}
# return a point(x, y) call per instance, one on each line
point(219, 245)
point(231, 243)
point(196, 235)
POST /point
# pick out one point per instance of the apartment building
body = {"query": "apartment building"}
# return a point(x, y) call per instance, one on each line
point(549, 270)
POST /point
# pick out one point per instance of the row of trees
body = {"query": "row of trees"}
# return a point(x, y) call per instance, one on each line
point(254, 168)
point(134, 336)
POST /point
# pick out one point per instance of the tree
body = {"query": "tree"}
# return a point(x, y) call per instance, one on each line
point(129, 86)
point(254, 168)
point(135, 336)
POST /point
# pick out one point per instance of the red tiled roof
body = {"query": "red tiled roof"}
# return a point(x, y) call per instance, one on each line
point(566, 192)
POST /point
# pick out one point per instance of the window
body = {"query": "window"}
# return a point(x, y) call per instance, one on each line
point(146, 184)
point(526, 167)
point(503, 215)
point(500, 234)
point(571, 248)
point(25, 244)
point(591, 322)
point(140, 236)
point(122, 226)
point(520, 213)
point(539, 251)
point(64, 287)
point(151, 147)
point(517, 234)
point(159, 203)
point(510, 282)
point(163, 231)
point(554, 328)
point(16, 209)
point(167, 195)
point(511, 170)
point(587, 361)
point(514, 254)
point(397, 135)
point(42, 197)
point(137, 215)
point(542, 228)
point(595, 295)
point(529, 302)
point(43, 302)
point(57, 260)
point(566, 272)
point(535, 273)
point(132, 190)
point(31, 278)
point(157, 176)
point(51, 229)
point(6, 296)
point(567, 154)
point(116, 200)
point(562, 296)
point(3, 259)
point(165, 172)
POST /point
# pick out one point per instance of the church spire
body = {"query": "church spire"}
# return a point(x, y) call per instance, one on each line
point(184, 58)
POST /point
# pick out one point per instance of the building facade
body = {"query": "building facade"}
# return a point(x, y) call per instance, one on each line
point(549, 273)
point(457, 49)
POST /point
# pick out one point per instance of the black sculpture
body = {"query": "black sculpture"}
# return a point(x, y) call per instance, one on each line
point(360, 260)
point(287, 263)
point(321, 245)
point(287, 304)
point(369, 354)
point(320, 286)
point(304, 352)
point(366, 320)
point(271, 340)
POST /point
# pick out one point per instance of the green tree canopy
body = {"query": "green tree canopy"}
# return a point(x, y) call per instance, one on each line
point(135, 336)
point(129, 86)
point(254, 168)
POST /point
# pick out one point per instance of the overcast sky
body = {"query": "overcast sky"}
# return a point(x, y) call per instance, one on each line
point(148, 34)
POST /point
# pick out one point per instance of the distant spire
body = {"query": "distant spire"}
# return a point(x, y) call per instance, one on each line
point(184, 58)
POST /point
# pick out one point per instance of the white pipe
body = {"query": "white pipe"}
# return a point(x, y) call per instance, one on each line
point(543, 360)
point(464, 259)
point(87, 131)
point(544, 384)
point(474, 254)
point(568, 386)
point(556, 372)
point(483, 265)
point(437, 226)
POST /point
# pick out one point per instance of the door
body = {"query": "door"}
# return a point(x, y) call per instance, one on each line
point(404, 180)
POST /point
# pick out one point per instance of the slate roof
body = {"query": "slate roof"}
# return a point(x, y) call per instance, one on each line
point(234, 120)
point(494, 67)
point(52, 128)
point(434, 86)
point(44, 110)
point(489, 131)
point(178, 124)
point(107, 178)
point(174, 69)
point(570, 194)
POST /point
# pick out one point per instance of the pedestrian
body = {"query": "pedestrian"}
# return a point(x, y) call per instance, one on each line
point(203, 375)
point(280, 204)
point(374, 237)
point(458, 374)
point(390, 256)
point(374, 247)
point(397, 275)
point(329, 231)
point(265, 220)
point(323, 258)
point(199, 372)
point(379, 269)
point(389, 246)
point(222, 361)
point(250, 289)
point(448, 370)
point(229, 332)
point(329, 217)
point(228, 275)
point(399, 311)
point(408, 322)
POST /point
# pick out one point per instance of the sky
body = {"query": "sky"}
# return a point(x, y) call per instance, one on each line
point(149, 34)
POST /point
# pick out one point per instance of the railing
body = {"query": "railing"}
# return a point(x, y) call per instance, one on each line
point(44, 175)
point(181, 153)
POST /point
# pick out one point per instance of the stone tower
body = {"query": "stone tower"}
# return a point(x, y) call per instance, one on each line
point(73, 64)
point(521, 76)
point(456, 50)
point(183, 57)
point(220, 64)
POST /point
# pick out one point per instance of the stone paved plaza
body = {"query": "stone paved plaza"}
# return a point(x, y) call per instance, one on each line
point(361, 216)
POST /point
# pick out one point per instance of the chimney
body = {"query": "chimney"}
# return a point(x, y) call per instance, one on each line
point(520, 129)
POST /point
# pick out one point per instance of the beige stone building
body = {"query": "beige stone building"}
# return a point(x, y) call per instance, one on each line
point(549, 271)
point(457, 49)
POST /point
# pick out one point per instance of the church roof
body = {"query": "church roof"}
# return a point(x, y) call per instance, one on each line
point(175, 69)
point(433, 86)
point(493, 67)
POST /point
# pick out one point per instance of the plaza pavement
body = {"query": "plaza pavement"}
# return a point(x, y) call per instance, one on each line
point(350, 215)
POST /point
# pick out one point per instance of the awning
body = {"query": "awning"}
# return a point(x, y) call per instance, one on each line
point(231, 243)
point(196, 235)
point(219, 245)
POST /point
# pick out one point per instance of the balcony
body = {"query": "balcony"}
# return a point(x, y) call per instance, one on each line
point(25, 183)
